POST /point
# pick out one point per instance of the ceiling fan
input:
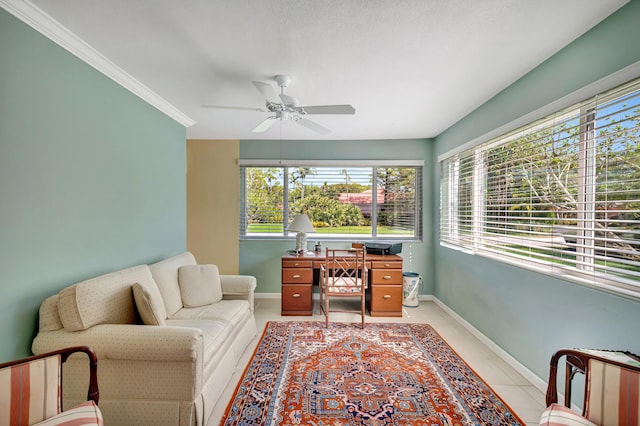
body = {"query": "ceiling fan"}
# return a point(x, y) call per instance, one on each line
point(287, 107)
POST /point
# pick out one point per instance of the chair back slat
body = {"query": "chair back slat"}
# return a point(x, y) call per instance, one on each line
point(344, 270)
point(30, 392)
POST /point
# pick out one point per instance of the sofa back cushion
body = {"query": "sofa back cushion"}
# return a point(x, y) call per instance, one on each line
point(107, 299)
point(199, 285)
point(165, 274)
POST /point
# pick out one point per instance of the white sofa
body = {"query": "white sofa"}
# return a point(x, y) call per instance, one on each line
point(164, 355)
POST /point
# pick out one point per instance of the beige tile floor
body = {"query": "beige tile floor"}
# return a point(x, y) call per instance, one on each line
point(522, 396)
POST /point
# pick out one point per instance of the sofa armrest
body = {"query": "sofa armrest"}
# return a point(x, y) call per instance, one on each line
point(128, 342)
point(238, 287)
point(171, 357)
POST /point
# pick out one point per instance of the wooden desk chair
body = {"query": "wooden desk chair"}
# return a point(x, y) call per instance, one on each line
point(31, 391)
point(343, 275)
point(611, 390)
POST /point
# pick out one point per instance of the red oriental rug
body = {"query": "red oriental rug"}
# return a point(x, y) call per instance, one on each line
point(387, 374)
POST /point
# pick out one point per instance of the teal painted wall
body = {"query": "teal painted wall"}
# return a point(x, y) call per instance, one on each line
point(92, 179)
point(531, 315)
point(262, 258)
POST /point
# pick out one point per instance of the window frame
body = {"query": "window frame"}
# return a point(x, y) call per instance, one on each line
point(374, 165)
point(450, 189)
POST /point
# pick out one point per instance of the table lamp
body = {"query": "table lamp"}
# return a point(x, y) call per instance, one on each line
point(302, 225)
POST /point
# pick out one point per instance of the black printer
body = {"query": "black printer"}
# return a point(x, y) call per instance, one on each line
point(383, 248)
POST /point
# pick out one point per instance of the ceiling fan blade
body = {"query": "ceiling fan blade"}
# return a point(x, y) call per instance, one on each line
point(268, 92)
point(264, 125)
point(329, 109)
point(313, 126)
point(234, 108)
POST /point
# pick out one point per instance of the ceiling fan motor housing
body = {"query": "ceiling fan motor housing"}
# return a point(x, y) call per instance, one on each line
point(282, 81)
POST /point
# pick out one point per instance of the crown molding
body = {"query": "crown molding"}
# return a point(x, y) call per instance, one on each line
point(37, 19)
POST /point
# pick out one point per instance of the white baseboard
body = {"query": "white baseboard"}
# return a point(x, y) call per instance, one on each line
point(514, 363)
point(267, 295)
point(316, 296)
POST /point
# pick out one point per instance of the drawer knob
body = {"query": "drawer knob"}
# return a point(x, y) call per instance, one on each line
point(386, 277)
point(386, 296)
point(296, 295)
point(296, 276)
point(386, 265)
point(296, 264)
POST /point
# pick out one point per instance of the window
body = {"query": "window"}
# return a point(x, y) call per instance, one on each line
point(343, 199)
point(561, 195)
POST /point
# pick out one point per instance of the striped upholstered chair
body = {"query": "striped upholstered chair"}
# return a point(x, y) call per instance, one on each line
point(31, 391)
point(611, 391)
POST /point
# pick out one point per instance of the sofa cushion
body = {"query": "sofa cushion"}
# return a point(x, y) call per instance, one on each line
point(235, 313)
point(106, 299)
point(226, 310)
point(150, 306)
point(217, 338)
point(199, 285)
point(165, 274)
point(559, 415)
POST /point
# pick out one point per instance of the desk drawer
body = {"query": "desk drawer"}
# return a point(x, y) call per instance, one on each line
point(297, 263)
point(385, 300)
point(297, 299)
point(377, 264)
point(386, 276)
point(297, 275)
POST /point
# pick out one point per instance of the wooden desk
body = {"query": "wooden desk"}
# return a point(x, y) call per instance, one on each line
point(301, 273)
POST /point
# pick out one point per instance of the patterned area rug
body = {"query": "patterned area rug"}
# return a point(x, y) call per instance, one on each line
point(387, 374)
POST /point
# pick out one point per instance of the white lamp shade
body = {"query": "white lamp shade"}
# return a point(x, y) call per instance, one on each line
point(301, 223)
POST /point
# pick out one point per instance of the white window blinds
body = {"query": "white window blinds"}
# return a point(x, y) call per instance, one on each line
point(562, 193)
point(343, 200)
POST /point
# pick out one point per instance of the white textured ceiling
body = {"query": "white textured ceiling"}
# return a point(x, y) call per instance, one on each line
point(411, 68)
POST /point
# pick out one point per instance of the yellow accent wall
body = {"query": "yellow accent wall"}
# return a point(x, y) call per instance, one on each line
point(212, 202)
